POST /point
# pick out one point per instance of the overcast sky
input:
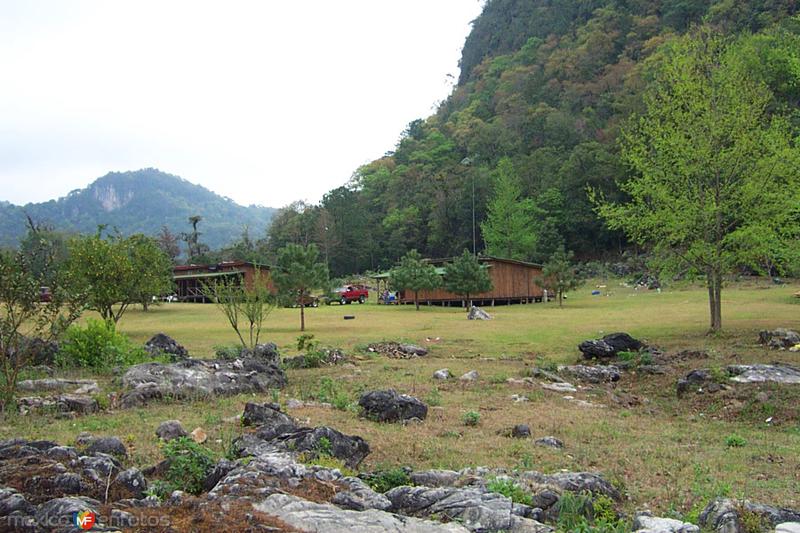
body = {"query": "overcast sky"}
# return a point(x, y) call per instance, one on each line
point(262, 101)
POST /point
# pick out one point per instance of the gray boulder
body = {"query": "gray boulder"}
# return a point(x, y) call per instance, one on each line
point(549, 442)
point(77, 403)
point(160, 343)
point(359, 496)
point(722, 515)
point(107, 445)
point(647, 523)
point(476, 313)
point(435, 478)
point(59, 511)
point(788, 527)
point(265, 414)
point(779, 339)
point(477, 510)
point(267, 352)
point(196, 378)
point(130, 484)
point(442, 374)
point(170, 429)
point(390, 406)
point(609, 346)
point(521, 431)
point(12, 501)
point(349, 449)
point(323, 518)
point(412, 349)
point(592, 374)
point(777, 373)
point(472, 375)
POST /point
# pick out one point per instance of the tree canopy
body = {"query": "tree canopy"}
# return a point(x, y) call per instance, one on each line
point(716, 173)
point(467, 277)
point(414, 274)
point(297, 272)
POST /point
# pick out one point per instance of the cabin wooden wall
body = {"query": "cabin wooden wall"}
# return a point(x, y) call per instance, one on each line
point(509, 281)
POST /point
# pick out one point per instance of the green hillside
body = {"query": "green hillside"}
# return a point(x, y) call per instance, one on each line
point(141, 201)
point(547, 84)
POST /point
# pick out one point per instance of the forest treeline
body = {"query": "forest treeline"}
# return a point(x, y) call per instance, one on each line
point(546, 85)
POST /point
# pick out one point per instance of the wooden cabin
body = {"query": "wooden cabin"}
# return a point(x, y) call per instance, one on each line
point(513, 282)
point(190, 279)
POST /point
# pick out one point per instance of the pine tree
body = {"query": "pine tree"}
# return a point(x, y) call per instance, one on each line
point(298, 271)
point(509, 230)
point(414, 274)
point(559, 271)
point(465, 276)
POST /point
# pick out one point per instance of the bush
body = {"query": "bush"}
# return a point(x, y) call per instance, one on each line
point(734, 441)
point(229, 352)
point(434, 397)
point(330, 392)
point(580, 513)
point(471, 418)
point(189, 465)
point(98, 345)
point(511, 490)
point(385, 480)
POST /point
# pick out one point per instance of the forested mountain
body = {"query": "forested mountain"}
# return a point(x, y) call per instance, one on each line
point(547, 84)
point(141, 201)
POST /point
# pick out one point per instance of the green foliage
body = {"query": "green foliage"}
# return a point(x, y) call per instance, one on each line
point(189, 464)
point(245, 306)
point(465, 276)
point(299, 270)
point(98, 345)
point(509, 489)
point(735, 441)
point(583, 513)
point(414, 274)
point(331, 392)
point(715, 170)
point(116, 272)
point(560, 274)
point(158, 488)
point(509, 229)
point(471, 418)
point(434, 398)
point(228, 351)
point(24, 317)
point(385, 480)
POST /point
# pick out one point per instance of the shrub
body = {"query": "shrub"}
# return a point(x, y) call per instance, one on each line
point(626, 356)
point(228, 352)
point(434, 398)
point(189, 465)
point(331, 392)
point(734, 441)
point(511, 490)
point(158, 488)
point(471, 418)
point(385, 480)
point(98, 345)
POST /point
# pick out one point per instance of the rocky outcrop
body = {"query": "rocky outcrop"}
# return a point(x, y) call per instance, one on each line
point(197, 378)
point(647, 523)
point(777, 373)
point(609, 346)
point(724, 515)
point(322, 518)
point(390, 406)
point(161, 343)
point(397, 349)
point(592, 374)
point(476, 509)
point(170, 429)
point(779, 339)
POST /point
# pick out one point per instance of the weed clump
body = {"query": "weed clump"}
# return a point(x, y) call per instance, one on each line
point(189, 465)
point(471, 418)
point(509, 489)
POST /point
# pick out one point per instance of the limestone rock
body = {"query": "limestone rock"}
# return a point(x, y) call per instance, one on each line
point(646, 523)
point(161, 343)
point(390, 406)
point(476, 313)
point(323, 518)
point(442, 374)
point(592, 374)
point(170, 429)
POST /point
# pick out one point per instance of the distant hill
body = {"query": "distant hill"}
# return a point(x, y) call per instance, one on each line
point(140, 201)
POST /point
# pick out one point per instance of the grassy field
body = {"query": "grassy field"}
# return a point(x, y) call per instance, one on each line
point(666, 453)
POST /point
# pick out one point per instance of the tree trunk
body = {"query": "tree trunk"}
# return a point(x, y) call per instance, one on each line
point(560, 298)
point(302, 316)
point(416, 299)
point(714, 283)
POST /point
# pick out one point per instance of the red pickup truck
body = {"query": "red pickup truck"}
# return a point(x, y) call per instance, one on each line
point(352, 293)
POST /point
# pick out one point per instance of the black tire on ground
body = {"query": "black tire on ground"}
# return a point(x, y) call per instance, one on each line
point(343, 301)
point(361, 299)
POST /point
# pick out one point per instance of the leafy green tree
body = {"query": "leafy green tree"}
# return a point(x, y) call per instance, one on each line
point(414, 274)
point(116, 272)
point(466, 277)
point(297, 272)
point(195, 249)
point(243, 305)
point(509, 230)
point(715, 172)
point(24, 317)
point(152, 269)
point(561, 274)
